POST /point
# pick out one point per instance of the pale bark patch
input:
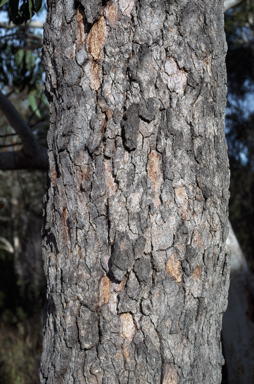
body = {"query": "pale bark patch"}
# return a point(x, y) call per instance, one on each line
point(175, 78)
point(197, 239)
point(111, 14)
point(208, 63)
point(126, 6)
point(115, 290)
point(105, 288)
point(173, 269)
point(64, 217)
point(97, 38)
point(162, 235)
point(171, 376)
point(182, 199)
point(155, 175)
point(146, 128)
point(110, 182)
point(128, 326)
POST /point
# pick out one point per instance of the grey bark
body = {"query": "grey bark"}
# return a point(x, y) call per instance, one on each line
point(137, 204)
point(238, 320)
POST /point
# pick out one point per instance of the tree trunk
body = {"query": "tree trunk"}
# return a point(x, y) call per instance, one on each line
point(238, 320)
point(136, 210)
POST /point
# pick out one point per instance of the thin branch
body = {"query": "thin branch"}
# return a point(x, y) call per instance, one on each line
point(7, 245)
point(10, 145)
point(230, 4)
point(31, 24)
point(245, 38)
point(30, 145)
point(7, 135)
point(34, 37)
point(5, 218)
point(10, 93)
point(19, 160)
point(6, 36)
point(32, 155)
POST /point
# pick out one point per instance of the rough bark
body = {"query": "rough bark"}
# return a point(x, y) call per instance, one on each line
point(238, 320)
point(136, 210)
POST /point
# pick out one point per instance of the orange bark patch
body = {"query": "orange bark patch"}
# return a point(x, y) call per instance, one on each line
point(96, 38)
point(111, 14)
point(81, 28)
point(128, 326)
point(173, 269)
point(52, 169)
point(119, 355)
point(111, 185)
point(182, 199)
point(197, 272)
point(53, 174)
point(155, 175)
point(95, 76)
point(105, 287)
point(125, 352)
point(109, 113)
point(85, 172)
point(171, 375)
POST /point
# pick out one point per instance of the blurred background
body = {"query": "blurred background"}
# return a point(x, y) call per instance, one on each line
point(22, 283)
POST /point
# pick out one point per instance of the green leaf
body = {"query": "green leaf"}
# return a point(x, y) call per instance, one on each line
point(37, 5)
point(33, 104)
point(30, 7)
point(19, 57)
point(3, 2)
point(28, 60)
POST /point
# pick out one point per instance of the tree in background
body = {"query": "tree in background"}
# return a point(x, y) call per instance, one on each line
point(239, 26)
point(22, 284)
point(238, 324)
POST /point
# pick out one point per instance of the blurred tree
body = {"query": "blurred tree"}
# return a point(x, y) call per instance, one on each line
point(22, 141)
point(23, 132)
point(239, 26)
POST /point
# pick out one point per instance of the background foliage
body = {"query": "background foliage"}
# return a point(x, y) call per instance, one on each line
point(22, 283)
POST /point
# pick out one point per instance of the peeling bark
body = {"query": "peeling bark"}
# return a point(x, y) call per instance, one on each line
point(136, 209)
